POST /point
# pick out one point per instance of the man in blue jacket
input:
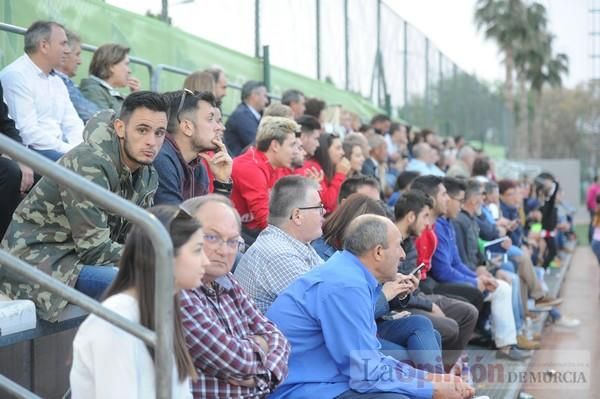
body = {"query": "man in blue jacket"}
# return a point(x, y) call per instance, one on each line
point(337, 336)
point(194, 135)
point(447, 267)
point(241, 127)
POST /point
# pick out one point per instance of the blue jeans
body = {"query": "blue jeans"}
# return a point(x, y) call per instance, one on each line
point(416, 334)
point(514, 251)
point(596, 249)
point(53, 155)
point(93, 280)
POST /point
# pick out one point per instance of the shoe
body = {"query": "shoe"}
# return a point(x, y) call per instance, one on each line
point(524, 343)
point(556, 263)
point(569, 322)
point(541, 309)
point(483, 341)
point(537, 336)
point(513, 353)
point(547, 301)
point(534, 316)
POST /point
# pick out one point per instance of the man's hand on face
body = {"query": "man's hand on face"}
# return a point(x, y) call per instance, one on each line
point(220, 163)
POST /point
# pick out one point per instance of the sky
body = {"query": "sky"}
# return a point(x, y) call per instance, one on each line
point(451, 28)
point(448, 23)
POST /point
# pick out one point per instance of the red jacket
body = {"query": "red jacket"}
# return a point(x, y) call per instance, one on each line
point(253, 177)
point(426, 245)
point(330, 190)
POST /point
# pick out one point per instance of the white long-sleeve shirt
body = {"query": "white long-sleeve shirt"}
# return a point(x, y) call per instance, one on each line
point(110, 363)
point(41, 107)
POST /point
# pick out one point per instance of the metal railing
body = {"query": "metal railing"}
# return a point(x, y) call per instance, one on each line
point(154, 71)
point(162, 338)
point(87, 47)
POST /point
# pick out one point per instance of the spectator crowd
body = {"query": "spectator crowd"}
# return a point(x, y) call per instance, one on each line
point(315, 255)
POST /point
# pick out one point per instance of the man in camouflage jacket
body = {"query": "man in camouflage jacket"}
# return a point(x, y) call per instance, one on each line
point(58, 230)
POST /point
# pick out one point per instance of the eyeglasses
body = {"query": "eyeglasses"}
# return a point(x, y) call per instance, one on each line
point(460, 200)
point(186, 92)
point(235, 244)
point(320, 207)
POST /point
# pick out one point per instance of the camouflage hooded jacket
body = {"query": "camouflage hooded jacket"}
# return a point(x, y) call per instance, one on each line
point(58, 230)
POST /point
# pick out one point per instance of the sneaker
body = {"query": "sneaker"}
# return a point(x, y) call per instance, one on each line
point(569, 322)
point(547, 301)
point(524, 343)
point(513, 353)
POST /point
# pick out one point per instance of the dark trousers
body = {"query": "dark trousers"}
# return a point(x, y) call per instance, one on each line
point(550, 253)
point(455, 328)
point(459, 291)
point(10, 195)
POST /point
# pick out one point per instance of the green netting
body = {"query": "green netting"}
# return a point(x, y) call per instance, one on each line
point(432, 92)
point(99, 23)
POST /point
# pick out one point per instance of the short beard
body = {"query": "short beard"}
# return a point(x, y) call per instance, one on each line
point(131, 156)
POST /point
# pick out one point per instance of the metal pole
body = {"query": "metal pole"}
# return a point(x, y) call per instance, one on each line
point(257, 28)
point(346, 45)
point(378, 55)
point(440, 89)
point(405, 64)
point(267, 68)
point(318, 4)
point(427, 99)
point(164, 12)
point(388, 104)
point(16, 390)
point(161, 242)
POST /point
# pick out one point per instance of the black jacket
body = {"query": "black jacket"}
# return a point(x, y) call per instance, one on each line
point(7, 125)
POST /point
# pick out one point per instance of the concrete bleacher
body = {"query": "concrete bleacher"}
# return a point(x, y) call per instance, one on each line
point(72, 317)
point(487, 358)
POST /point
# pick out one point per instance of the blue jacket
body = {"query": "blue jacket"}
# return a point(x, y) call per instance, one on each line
point(240, 130)
point(512, 213)
point(327, 316)
point(446, 266)
point(382, 307)
point(178, 180)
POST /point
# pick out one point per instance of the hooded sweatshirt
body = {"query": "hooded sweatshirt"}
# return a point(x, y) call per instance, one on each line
point(58, 230)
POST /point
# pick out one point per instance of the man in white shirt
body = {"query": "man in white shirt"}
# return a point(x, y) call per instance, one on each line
point(38, 99)
point(424, 161)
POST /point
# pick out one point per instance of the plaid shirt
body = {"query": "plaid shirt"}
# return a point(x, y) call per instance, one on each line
point(218, 321)
point(272, 263)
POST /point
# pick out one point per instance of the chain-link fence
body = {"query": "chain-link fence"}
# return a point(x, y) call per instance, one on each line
point(366, 47)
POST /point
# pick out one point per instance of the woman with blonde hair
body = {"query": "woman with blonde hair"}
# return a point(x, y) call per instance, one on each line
point(200, 81)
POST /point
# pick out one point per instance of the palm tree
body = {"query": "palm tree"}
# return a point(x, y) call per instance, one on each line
point(504, 21)
point(548, 72)
point(531, 49)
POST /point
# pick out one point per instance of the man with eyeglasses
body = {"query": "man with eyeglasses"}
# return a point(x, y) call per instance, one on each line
point(193, 136)
point(236, 350)
point(282, 252)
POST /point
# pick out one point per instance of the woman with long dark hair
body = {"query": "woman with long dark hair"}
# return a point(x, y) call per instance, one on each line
point(111, 363)
point(330, 161)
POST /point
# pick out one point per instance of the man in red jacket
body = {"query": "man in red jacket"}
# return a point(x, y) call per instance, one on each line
point(256, 171)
